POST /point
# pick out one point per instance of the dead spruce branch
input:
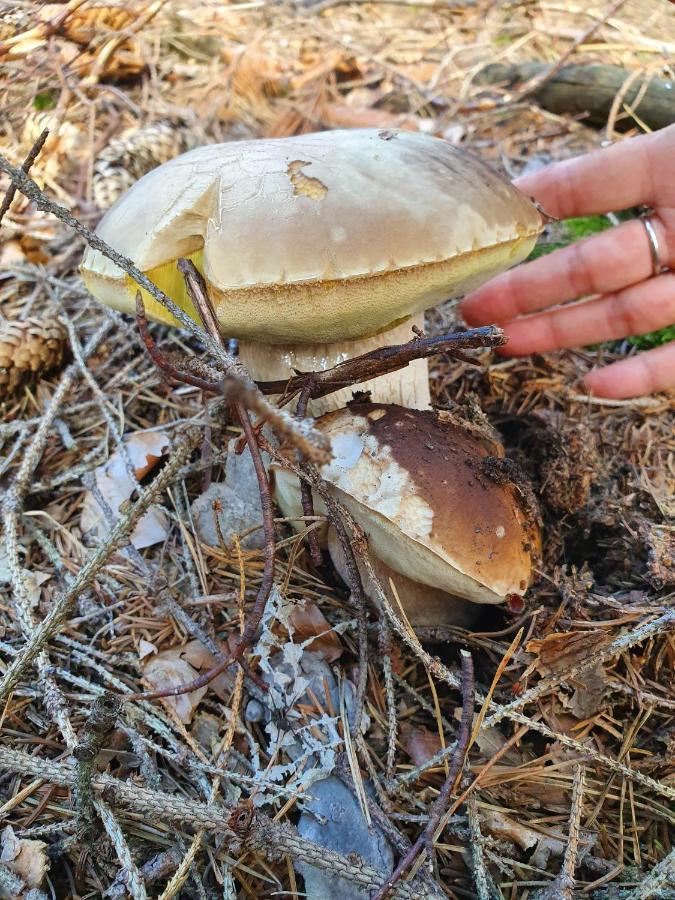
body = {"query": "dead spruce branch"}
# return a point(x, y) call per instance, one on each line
point(255, 833)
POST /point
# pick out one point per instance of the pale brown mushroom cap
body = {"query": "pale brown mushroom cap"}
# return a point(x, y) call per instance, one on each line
point(422, 488)
point(318, 238)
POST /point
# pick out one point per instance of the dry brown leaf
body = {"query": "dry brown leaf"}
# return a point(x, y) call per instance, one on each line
point(32, 581)
point(169, 670)
point(12, 254)
point(341, 115)
point(145, 449)
point(310, 620)
point(145, 648)
point(203, 660)
point(558, 652)
point(590, 692)
point(420, 744)
point(206, 730)
point(180, 665)
point(499, 825)
point(25, 858)
point(489, 741)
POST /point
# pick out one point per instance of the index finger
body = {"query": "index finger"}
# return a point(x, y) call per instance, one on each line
point(599, 182)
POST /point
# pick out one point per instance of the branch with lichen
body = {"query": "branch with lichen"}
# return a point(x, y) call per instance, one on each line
point(134, 879)
point(12, 507)
point(241, 832)
point(100, 721)
point(659, 883)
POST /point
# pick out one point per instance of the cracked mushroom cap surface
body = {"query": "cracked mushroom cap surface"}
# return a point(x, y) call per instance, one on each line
point(323, 237)
point(434, 499)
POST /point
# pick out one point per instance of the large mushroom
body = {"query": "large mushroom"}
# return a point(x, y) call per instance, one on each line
point(437, 502)
point(319, 247)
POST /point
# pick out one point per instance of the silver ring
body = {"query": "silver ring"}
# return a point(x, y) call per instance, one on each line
point(654, 249)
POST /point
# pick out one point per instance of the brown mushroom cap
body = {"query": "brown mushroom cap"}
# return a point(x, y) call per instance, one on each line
point(422, 487)
point(318, 238)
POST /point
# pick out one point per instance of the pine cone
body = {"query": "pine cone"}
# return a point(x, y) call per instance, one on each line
point(13, 21)
point(82, 25)
point(127, 158)
point(28, 350)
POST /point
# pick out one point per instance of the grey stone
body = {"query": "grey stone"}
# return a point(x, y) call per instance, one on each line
point(240, 472)
point(333, 818)
point(236, 514)
point(239, 502)
point(255, 711)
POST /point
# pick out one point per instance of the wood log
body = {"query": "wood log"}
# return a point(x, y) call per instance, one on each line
point(576, 90)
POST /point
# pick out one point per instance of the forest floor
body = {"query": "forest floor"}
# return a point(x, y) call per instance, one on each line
point(571, 777)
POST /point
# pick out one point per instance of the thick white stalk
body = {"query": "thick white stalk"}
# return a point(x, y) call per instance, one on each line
point(407, 387)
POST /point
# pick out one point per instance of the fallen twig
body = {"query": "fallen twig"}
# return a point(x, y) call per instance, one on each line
point(385, 360)
point(300, 432)
point(384, 642)
point(25, 168)
point(485, 887)
point(531, 87)
point(563, 886)
point(426, 839)
point(306, 498)
point(134, 878)
point(157, 867)
point(101, 720)
point(659, 880)
point(197, 290)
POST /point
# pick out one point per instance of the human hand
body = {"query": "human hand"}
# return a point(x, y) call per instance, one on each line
point(615, 266)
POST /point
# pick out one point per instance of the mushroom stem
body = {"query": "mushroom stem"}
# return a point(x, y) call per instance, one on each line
point(406, 387)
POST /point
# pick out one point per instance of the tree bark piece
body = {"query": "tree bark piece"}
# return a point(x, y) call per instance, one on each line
point(591, 89)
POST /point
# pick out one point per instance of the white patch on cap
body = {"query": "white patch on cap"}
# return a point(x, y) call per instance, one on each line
point(368, 472)
point(347, 447)
point(500, 531)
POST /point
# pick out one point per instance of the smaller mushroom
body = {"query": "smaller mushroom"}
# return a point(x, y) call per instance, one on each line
point(421, 485)
point(426, 606)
